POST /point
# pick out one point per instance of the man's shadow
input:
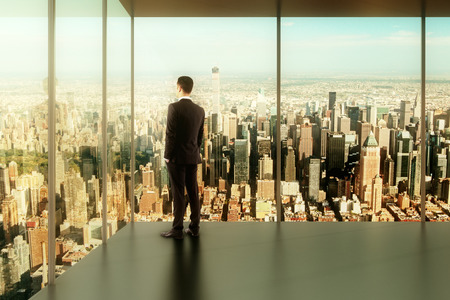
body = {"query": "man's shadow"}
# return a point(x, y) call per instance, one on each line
point(185, 279)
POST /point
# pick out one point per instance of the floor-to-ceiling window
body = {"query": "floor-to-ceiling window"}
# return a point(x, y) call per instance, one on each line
point(119, 115)
point(23, 149)
point(233, 64)
point(437, 119)
point(78, 72)
point(350, 119)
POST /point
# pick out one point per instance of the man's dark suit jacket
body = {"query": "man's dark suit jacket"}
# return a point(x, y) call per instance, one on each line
point(184, 132)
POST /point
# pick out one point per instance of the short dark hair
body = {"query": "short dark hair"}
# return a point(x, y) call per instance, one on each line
point(186, 83)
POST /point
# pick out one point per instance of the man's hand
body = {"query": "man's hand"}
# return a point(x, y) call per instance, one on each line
point(167, 161)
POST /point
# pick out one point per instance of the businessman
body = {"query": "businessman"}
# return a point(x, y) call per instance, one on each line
point(184, 135)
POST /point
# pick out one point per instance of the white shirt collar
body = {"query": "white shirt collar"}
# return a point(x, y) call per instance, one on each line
point(184, 97)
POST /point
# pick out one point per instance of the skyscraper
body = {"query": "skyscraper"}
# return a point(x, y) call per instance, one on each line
point(241, 161)
point(216, 117)
point(382, 135)
point(60, 170)
point(335, 114)
point(10, 218)
point(290, 117)
point(216, 91)
point(405, 114)
point(290, 168)
point(305, 146)
point(232, 126)
point(261, 104)
point(414, 174)
point(13, 174)
point(265, 168)
point(377, 193)
point(404, 147)
point(389, 171)
point(353, 114)
point(314, 178)
point(363, 130)
point(5, 187)
point(76, 199)
point(335, 151)
point(331, 100)
point(343, 125)
point(323, 142)
point(369, 167)
point(372, 115)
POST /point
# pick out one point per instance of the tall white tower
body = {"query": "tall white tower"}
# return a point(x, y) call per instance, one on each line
point(216, 97)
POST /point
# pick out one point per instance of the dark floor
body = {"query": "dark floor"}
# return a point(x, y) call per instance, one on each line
point(266, 261)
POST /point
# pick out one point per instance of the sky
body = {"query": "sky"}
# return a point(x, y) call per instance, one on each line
point(171, 46)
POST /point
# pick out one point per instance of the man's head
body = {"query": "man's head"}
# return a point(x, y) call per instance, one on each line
point(184, 86)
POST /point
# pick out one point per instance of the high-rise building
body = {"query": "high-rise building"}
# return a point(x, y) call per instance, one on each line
point(405, 114)
point(343, 124)
point(353, 114)
point(404, 147)
point(331, 100)
point(369, 167)
point(148, 177)
point(5, 187)
point(430, 120)
point(335, 114)
point(382, 136)
point(13, 174)
point(265, 168)
point(215, 91)
point(241, 161)
point(335, 151)
point(60, 170)
point(389, 171)
point(314, 176)
point(261, 105)
point(93, 190)
point(393, 120)
point(305, 146)
point(10, 218)
point(290, 117)
point(232, 126)
point(377, 193)
point(290, 169)
point(265, 189)
point(23, 254)
point(263, 146)
point(414, 174)
point(76, 199)
point(37, 237)
point(439, 168)
point(372, 115)
point(363, 130)
point(323, 142)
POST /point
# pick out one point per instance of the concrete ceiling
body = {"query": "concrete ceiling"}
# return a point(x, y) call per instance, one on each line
point(228, 8)
point(289, 8)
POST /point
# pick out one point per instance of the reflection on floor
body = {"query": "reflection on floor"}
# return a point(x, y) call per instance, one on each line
point(265, 261)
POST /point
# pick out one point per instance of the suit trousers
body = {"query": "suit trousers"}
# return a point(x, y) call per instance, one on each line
point(181, 177)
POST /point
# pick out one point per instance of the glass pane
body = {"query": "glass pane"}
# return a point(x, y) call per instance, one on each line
point(23, 153)
point(233, 64)
point(119, 114)
point(437, 119)
point(351, 119)
point(78, 58)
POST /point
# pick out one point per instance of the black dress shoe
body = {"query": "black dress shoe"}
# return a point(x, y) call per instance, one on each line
point(191, 232)
point(178, 235)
